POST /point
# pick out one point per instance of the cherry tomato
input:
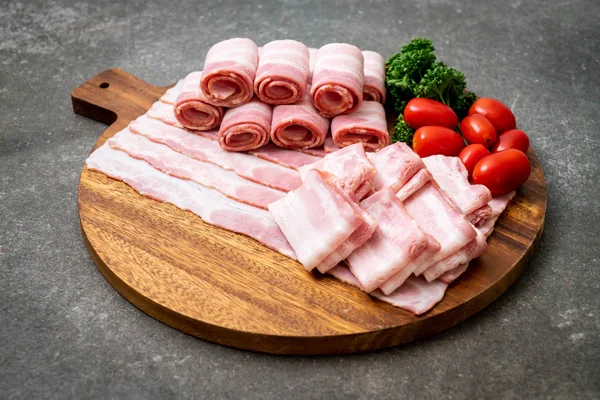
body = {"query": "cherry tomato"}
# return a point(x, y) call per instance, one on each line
point(513, 139)
point(471, 155)
point(432, 140)
point(427, 112)
point(496, 112)
point(502, 172)
point(478, 130)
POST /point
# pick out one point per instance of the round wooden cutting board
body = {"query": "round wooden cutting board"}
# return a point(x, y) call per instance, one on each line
point(229, 289)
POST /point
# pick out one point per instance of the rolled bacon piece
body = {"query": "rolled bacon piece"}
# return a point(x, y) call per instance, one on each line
point(298, 126)
point(229, 71)
point(367, 125)
point(282, 72)
point(312, 57)
point(338, 77)
point(192, 109)
point(374, 86)
point(246, 127)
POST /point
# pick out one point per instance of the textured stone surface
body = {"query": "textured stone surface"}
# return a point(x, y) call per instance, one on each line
point(64, 332)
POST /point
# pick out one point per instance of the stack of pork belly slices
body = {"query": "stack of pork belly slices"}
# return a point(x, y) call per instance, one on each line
point(398, 227)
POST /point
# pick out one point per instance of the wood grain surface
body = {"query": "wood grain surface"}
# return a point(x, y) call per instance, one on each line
point(229, 289)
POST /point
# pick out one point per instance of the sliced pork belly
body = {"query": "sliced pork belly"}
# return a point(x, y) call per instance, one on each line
point(167, 160)
point(229, 72)
point(246, 127)
point(192, 109)
point(374, 86)
point(396, 165)
point(367, 125)
point(396, 241)
point(398, 279)
point(316, 218)
point(416, 295)
point(287, 158)
point(355, 241)
point(453, 179)
point(209, 204)
point(283, 68)
point(337, 81)
point(470, 251)
point(202, 149)
point(452, 275)
point(479, 216)
point(350, 166)
point(312, 57)
point(170, 96)
point(498, 205)
point(164, 113)
point(298, 126)
point(415, 183)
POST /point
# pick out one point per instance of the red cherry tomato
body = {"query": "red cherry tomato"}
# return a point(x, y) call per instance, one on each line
point(502, 172)
point(471, 155)
point(427, 112)
point(513, 139)
point(432, 140)
point(496, 112)
point(478, 130)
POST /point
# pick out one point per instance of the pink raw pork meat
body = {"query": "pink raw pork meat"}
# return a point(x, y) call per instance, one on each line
point(396, 241)
point(246, 127)
point(396, 165)
point(367, 125)
point(229, 72)
point(298, 126)
point(416, 295)
point(374, 86)
point(283, 68)
point(338, 78)
point(192, 109)
point(453, 179)
point(312, 57)
point(317, 218)
point(350, 166)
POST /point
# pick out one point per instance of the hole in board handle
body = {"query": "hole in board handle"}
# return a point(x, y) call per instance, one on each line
point(104, 85)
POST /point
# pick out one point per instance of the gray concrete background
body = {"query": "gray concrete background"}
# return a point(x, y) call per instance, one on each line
point(65, 333)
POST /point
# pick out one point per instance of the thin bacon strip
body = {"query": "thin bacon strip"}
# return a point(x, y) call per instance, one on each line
point(374, 86)
point(192, 109)
point(367, 125)
point(246, 127)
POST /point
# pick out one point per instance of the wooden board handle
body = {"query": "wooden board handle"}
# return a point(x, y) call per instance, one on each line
point(112, 93)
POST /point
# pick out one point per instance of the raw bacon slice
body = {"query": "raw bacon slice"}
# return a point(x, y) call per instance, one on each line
point(202, 149)
point(396, 241)
point(453, 275)
point(229, 71)
point(246, 127)
point(396, 165)
point(415, 183)
point(167, 160)
point(498, 205)
point(356, 240)
point(316, 218)
point(283, 68)
point(298, 126)
point(192, 109)
point(440, 219)
point(453, 179)
point(416, 295)
point(312, 57)
point(164, 113)
point(209, 204)
point(374, 86)
point(287, 158)
point(338, 78)
point(470, 251)
point(479, 216)
point(350, 166)
point(170, 96)
point(366, 125)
